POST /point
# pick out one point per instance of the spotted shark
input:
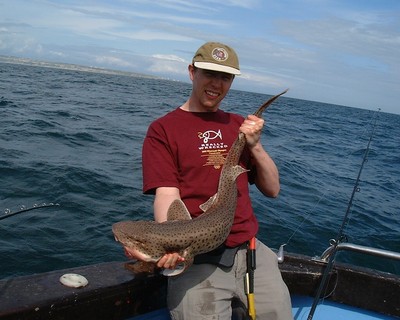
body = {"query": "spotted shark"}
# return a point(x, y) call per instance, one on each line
point(150, 240)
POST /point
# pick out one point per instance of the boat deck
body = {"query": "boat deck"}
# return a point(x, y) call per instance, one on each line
point(328, 310)
point(301, 305)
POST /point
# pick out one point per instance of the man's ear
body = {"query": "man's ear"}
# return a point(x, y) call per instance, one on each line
point(191, 69)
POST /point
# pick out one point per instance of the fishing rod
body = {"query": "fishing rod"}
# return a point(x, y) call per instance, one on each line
point(8, 213)
point(249, 279)
point(340, 235)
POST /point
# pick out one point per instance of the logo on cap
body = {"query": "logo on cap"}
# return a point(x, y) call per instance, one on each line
point(219, 54)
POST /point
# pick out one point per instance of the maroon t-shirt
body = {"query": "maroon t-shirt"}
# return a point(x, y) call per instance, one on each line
point(186, 150)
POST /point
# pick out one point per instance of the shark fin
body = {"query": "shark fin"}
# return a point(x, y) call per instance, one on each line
point(238, 170)
point(178, 211)
point(206, 205)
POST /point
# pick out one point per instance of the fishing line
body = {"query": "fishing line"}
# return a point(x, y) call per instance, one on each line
point(340, 234)
point(8, 213)
point(372, 122)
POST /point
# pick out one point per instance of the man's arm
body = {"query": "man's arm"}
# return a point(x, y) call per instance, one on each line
point(267, 178)
point(163, 199)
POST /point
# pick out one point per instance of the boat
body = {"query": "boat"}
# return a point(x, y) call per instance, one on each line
point(321, 288)
point(113, 291)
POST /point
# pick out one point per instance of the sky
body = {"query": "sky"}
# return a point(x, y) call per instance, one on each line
point(344, 52)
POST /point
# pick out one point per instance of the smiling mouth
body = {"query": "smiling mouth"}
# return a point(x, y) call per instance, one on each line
point(212, 93)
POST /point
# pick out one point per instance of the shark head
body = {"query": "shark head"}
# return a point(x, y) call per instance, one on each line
point(132, 235)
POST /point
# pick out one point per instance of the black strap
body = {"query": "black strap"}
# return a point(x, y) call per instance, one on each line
point(222, 256)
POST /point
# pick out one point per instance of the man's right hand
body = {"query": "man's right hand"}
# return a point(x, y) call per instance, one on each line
point(170, 261)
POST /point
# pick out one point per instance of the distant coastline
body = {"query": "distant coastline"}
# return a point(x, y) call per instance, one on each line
point(76, 67)
point(67, 66)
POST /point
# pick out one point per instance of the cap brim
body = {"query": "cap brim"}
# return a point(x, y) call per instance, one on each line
point(216, 67)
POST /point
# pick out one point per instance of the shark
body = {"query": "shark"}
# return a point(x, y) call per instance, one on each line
point(150, 240)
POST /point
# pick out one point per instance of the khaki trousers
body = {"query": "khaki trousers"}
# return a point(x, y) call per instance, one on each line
point(205, 291)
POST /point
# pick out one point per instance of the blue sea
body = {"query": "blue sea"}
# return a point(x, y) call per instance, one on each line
point(71, 141)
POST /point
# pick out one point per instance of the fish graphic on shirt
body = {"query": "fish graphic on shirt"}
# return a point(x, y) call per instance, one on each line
point(210, 135)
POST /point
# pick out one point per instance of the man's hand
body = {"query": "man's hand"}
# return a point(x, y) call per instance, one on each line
point(252, 127)
point(170, 261)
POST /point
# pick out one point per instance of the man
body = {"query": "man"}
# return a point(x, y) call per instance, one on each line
point(183, 153)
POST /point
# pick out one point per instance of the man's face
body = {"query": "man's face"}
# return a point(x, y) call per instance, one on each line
point(209, 87)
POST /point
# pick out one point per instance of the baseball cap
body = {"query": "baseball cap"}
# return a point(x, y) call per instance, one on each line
point(216, 56)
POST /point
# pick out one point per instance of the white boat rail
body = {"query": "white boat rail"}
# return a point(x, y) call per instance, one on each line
point(358, 248)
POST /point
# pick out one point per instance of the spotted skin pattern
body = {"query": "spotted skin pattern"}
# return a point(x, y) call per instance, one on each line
point(190, 237)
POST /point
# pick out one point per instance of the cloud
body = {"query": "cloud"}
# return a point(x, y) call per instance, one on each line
point(335, 51)
point(142, 15)
point(336, 35)
point(262, 80)
point(14, 43)
point(168, 65)
point(57, 54)
point(169, 57)
point(112, 61)
point(148, 35)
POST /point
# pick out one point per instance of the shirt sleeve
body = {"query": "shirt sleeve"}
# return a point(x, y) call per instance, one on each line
point(159, 166)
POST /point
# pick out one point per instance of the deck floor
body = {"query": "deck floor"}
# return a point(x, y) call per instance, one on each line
point(328, 310)
point(301, 305)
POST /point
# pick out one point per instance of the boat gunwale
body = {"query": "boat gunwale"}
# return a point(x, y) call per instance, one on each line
point(114, 292)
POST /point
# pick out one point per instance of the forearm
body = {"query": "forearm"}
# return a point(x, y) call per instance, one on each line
point(163, 199)
point(267, 177)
